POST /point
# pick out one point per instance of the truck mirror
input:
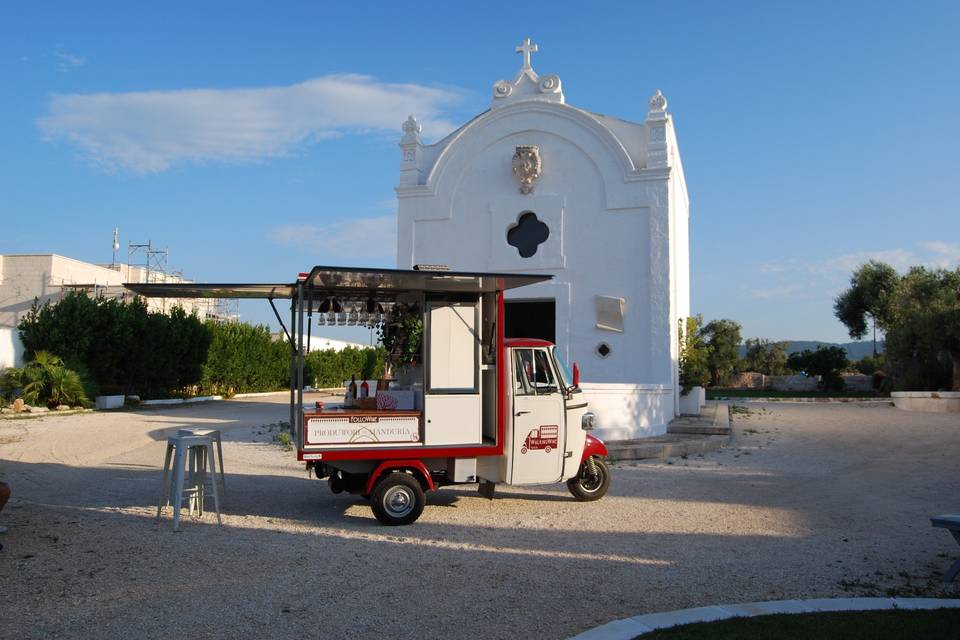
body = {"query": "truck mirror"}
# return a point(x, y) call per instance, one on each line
point(576, 375)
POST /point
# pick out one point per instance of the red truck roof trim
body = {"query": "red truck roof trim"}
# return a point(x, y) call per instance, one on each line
point(527, 342)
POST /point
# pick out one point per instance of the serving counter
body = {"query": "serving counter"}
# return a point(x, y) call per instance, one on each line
point(341, 428)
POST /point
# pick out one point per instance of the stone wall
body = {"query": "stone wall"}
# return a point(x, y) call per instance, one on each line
point(758, 381)
point(857, 382)
point(791, 383)
point(746, 380)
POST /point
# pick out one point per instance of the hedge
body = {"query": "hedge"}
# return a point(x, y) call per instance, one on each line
point(124, 347)
point(127, 349)
point(324, 369)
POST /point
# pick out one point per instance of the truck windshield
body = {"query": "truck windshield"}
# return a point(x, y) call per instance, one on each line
point(565, 371)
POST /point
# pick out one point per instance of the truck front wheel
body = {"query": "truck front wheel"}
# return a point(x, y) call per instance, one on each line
point(397, 499)
point(592, 481)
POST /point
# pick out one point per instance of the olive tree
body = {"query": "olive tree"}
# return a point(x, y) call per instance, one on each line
point(722, 338)
point(920, 315)
point(764, 356)
point(869, 296)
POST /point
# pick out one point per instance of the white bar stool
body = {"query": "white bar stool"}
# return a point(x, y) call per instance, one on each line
point(190, 455)
point(215, 434)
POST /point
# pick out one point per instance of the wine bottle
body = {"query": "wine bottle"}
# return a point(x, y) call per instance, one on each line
point(364, 389)
point(353, 387)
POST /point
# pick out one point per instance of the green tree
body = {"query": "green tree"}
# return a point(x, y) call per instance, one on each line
point(869, 296)
point(920, 315)
point(869, 365)
point(923, 341)
point(764, 356)
point(694, 371)
point(722, 338)
point(825, 362)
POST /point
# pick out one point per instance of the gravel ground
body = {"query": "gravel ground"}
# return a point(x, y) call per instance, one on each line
point(809, 501)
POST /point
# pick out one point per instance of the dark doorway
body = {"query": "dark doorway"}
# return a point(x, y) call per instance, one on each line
point(534, 319)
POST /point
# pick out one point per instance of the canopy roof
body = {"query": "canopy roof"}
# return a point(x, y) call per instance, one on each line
point(348, 281)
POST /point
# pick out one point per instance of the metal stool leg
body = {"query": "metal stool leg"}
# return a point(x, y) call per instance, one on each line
point(201, 478)
point(223, 480)
point(216, 495)
point(164, 488)
point(179, 462)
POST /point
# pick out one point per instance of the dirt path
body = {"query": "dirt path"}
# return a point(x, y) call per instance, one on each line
point(811, 501)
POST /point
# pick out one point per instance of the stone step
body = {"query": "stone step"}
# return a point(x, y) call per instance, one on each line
point(698, 429)
point(687, 435)
point(670, 446)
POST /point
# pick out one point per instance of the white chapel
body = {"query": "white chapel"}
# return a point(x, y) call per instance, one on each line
point(535, 185)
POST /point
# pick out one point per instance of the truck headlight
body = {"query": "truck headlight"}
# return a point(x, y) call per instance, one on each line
point(588, 421)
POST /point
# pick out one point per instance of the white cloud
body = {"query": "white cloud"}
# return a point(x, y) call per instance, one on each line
point(354, 238)
point(777, 292)
point(147, 132)
point(945, 254)
point(899, 259)
point(68, 61)
point(830, 277)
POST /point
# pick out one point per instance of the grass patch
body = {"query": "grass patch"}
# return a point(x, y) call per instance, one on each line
point(739, 409)
point(715, 393)
point(894, 624)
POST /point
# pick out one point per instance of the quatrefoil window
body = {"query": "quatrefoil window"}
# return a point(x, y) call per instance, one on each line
point(528, 234)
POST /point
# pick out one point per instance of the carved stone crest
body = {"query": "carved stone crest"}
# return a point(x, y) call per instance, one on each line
point(526, 166)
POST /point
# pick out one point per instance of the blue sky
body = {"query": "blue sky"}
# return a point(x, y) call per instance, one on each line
point(257, 139)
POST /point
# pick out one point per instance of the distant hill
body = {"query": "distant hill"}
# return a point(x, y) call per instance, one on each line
point(855, 350)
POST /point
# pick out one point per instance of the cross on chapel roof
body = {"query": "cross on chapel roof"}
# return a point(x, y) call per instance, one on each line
point(526, 48)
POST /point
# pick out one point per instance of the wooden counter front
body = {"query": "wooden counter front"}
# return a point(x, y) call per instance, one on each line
point(361, 428)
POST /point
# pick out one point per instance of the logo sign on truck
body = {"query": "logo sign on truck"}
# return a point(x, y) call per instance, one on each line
point(347, 431)
point(543, 437)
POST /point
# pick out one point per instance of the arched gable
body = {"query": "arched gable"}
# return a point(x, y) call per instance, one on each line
point(596, 141)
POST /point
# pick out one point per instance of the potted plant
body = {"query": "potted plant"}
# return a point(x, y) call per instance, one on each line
point(401, 335)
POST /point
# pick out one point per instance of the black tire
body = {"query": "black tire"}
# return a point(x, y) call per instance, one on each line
point(587, 487)
point(397, 499)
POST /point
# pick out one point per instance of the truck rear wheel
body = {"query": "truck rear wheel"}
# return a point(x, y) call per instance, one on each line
point(397, 499)
point(592, 481)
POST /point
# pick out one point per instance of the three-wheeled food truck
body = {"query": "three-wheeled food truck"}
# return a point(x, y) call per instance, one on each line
point(470, 406)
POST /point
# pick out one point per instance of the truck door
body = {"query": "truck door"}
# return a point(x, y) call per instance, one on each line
point(538, 418)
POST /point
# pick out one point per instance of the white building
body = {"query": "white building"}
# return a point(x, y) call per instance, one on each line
point(47, 277)
point(321, 343)
point(534, 185)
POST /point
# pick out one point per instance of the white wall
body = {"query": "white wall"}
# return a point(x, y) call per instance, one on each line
point(11, 349)
point(24, 278)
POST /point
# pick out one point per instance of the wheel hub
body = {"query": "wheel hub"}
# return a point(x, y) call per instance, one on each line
point(398, 502)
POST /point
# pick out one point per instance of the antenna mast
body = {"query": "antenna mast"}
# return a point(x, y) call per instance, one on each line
point(116, 247)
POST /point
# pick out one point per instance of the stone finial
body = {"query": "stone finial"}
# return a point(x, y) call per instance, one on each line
point(411, 131)
point(527, 85)
point(658, 102)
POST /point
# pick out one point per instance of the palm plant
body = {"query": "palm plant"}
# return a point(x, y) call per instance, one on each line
point(45, 380)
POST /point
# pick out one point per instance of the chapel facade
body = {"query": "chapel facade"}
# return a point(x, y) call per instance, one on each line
point(534, 185)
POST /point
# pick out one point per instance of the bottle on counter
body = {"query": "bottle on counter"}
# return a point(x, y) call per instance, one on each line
point(364, 389)
point(353, 387)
